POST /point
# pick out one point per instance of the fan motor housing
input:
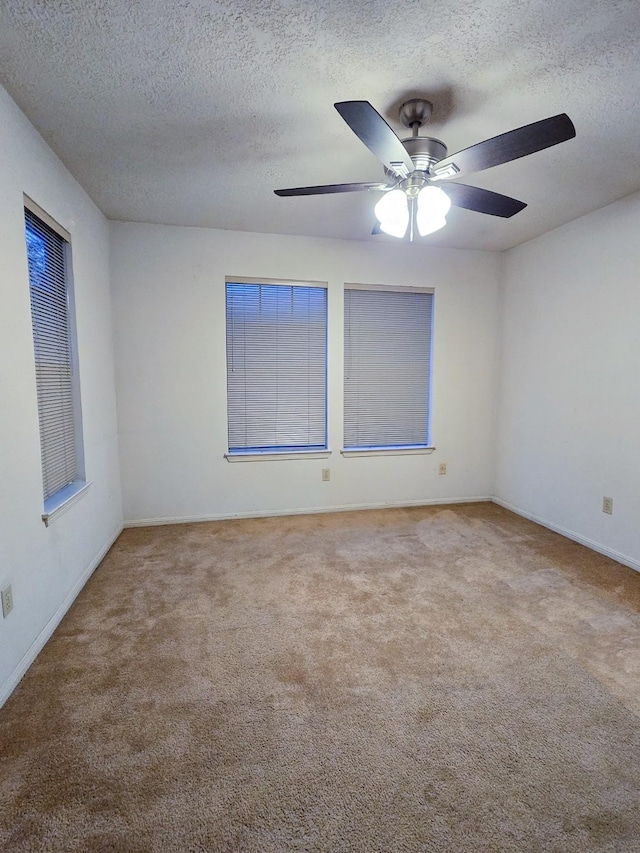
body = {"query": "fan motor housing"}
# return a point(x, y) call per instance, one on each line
point(425, 152)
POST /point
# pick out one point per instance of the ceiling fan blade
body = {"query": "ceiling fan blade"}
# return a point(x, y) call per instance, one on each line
point(369, 126)
point(508, 146)
point(330, 188)
point(483, 201)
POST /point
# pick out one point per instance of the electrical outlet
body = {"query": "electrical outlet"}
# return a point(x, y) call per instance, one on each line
point(442, 468)
point(326, 475)
point(607, 505)
point(7, 601)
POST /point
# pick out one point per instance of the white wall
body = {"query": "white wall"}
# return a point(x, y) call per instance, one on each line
point(47, 566)
point(569, 426)
point(170, 364)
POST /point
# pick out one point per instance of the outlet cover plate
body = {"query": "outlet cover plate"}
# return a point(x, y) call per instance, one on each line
point(607, 505)
point(7, 601)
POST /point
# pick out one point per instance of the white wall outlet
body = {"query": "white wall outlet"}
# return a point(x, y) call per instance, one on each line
point(326, 475)
point(607, 505)
point(7, 601)
point(442, 468)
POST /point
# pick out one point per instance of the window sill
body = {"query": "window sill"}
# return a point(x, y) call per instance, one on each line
point(389, 451)
point(271, 456)
point(63, 500)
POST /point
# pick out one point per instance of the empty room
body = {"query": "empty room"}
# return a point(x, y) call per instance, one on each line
point(319, 426)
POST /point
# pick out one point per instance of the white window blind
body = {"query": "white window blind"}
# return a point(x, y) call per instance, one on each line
point(276, 367)
point(387, 364)
point(47, 255)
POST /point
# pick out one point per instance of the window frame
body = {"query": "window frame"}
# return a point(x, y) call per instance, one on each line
point(261, 453)
point(392, 449)
point(60, 500)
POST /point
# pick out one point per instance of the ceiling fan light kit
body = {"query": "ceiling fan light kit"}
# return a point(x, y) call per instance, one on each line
point(392, 212)
point(433, 206)
point(397, 207)
point(412, 166)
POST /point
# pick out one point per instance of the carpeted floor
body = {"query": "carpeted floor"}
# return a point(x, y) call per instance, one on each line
point(433, 679)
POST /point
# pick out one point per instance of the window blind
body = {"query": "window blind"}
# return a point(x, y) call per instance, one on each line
point(46, 253)
point(276, 367)
point(387, 364)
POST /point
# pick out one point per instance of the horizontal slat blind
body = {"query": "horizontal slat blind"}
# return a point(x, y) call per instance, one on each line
point(387, 364)
point(51, 341)
point(276, 367)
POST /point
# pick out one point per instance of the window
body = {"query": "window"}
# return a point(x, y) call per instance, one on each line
point(48, 255)
point(276, 367)
point(387, 364)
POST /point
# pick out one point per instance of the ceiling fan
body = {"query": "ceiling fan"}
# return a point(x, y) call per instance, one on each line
point(414, 167)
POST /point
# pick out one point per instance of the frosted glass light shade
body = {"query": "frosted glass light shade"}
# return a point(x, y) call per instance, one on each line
point(392, 212)
point(433, 206)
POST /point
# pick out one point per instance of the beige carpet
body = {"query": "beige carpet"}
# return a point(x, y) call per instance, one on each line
point(438, 679)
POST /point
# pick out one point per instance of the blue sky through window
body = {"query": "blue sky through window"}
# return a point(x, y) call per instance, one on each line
point(37, 255)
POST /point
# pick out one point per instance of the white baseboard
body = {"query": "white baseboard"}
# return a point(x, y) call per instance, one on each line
point(570, 534)
point(150, 522)
point(40, 641)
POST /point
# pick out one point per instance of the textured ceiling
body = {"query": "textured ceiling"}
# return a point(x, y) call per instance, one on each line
point(193, 112)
